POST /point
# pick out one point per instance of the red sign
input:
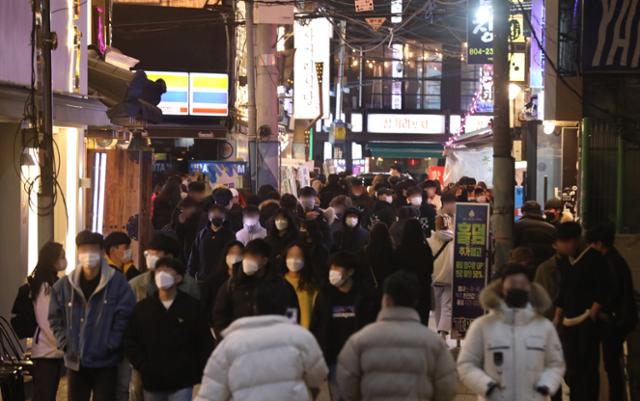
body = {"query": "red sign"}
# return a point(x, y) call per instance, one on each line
point(436, 173)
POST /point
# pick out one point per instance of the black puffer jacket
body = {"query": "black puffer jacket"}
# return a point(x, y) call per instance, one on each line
point(237, 297)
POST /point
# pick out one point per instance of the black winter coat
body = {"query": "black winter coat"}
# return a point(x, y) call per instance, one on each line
point(349, 239)
point(206, 251)
point(383, 212)
point(237, 298)
point(169, 348)
point(328, 317)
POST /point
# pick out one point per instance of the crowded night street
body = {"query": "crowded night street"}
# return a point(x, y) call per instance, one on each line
point(319, 200)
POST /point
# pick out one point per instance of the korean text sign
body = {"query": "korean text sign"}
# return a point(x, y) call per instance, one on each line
point(470, 262)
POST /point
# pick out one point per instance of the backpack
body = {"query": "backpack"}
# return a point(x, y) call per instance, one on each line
point(23, 320)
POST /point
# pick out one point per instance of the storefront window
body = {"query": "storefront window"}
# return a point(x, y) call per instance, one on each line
point(470, 83)
point(415, 70)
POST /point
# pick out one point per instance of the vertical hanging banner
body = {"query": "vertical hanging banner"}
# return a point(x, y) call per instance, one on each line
point(311, 40)
point(470, 264)
point(479, 32)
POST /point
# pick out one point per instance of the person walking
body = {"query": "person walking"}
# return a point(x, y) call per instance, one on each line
point(283, 230)
point(405, 213)
point(168, 339)
point(580, 301)
point(48, 366)
point(619, 315)
point(251, 229)
point(162, 244)
point(350, 236)
point(228, 266)
point(117, 247)
point(237, 297)
point(88, 314)
point(397, 358)
point(442, 244)
point(265, 357)
point(342, 307)
point(378, 257)
point(431, 194)
point(427, 211)
point(308, 199)
point(330, 191)
point(415, 256)
point(514, 352)
point(382, 209)
point(209, 244)
point(298, 271)
point(165, 203)
point(532, 231)
point(185, 224)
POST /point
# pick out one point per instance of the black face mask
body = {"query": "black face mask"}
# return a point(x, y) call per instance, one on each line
point(217, 221)
point(550, 216)
point(517, 298)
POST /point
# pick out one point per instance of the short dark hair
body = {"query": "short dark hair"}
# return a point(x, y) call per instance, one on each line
point(307, 192)
point(114, 239)
point(448, 197)
point(511, 269)
point(196, 186)
point(395, 167)
point(258, 247)
point(568, 231)
point(217, 206)
point(604, 233)
point(251, 209)
point(414, 191)
point(347, 260)
point(531, 207)
point(479, 191)
point(222, 196)
point(269, 299)
point(289, 201)
point(172, 263)
point(430, 184)
point(87, 237)
point(164, 241)
point(403, 289)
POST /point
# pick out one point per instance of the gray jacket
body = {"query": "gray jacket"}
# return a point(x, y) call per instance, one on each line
point(396, 358)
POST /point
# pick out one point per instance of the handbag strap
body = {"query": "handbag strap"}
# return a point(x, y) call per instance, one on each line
point(441, 250)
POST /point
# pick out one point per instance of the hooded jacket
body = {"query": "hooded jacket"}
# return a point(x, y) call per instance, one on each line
point(396, 358)
point(517, 349)
point(144, 286)
point(90, 331)
point(263, 358)
point(383, 212)
point(206, 251)
point(350, 239)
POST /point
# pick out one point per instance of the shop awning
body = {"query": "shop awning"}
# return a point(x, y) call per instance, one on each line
point(405, 150)
point(67, 109)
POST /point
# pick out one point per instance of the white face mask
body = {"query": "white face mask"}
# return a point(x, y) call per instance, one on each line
point(151, 261)
point(282, 224)
point(416, 200)
point(250, 221)
point(89, 259)
point(126, 256)
point(388, 199)
point(250, 267)
point(295, 264)
point(164, 280)
point(335, 278)
point(352, 221)
point(61, 265)
point(232, 260)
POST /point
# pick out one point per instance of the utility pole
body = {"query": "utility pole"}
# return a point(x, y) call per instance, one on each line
point(503, 163)
point(251, 89)
point(340, 80)
point(46, 188)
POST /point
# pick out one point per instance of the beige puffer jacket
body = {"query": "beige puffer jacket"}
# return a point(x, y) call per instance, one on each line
point(264, 358)
point(396, 358)
point(518, 349)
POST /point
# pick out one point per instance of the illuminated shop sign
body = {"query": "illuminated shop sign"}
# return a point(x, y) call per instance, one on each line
point(405, 123)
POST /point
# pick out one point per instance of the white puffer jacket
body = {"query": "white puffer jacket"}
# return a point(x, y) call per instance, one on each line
point(263, 358)
point(396, 358)
point(518, 349)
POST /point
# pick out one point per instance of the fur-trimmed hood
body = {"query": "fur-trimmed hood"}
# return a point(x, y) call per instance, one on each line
point(491, 297)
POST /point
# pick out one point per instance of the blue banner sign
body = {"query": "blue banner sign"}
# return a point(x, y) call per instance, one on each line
point(470, 264)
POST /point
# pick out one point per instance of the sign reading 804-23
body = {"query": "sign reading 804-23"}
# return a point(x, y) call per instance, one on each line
point(480, 32)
